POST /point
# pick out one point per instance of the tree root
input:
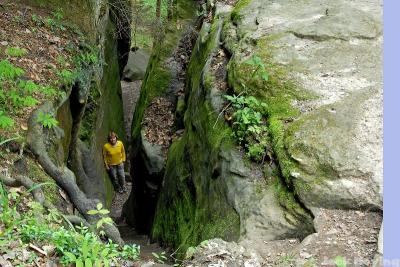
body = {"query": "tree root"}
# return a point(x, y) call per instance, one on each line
point(37, 192)
point(63, 176)
point(38, 195)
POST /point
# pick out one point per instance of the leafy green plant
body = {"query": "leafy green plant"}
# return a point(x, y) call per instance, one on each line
point(259, 70)
point(8, 71)
point(340, 261)
point(51, 23)
point(61, 60)
point(49, 91)
point(5, 121)
point(28, 86)
point(160, 257)
point(16, 51)
point(29, 101)
point(19, 95)
point(99, 210)
point(58, 14)
point(249, 125)
point(286, 260)
point(37, 20)
point(78, 246)
point(47, 120)
point(90, 253)
point(87, 57)
point(16, 98)
point(54, 23)
point(67, 77)
point(130, 252)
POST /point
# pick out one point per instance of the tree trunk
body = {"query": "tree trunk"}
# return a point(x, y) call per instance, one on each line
point(158, 10)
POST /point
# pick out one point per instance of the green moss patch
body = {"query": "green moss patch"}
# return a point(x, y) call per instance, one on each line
point(277, 91)
point(235, 14)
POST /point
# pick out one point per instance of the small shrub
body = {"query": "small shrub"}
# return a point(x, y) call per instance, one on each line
point(16, 98)
point(249, 125)
point(51, 23)
point(54, 24)
point(78, 246)
point(61, 60)
point(48, 90)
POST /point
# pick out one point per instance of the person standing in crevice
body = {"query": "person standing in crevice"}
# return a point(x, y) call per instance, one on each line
point(114, 158)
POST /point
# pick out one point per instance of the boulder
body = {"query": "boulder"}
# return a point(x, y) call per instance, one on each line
point(136, 66)
point(338, 151)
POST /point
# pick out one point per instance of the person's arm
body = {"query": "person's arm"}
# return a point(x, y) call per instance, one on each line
point(105, 157)
point(123, 152)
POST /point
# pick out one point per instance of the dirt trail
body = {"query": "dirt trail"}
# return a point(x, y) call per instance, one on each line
point(130, 95)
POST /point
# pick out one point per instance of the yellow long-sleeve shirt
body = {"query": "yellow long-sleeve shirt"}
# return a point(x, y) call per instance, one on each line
point(114, 155)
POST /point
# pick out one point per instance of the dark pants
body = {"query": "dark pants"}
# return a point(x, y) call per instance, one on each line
point(117, 174)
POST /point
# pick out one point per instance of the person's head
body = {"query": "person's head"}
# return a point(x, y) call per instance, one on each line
point(112, 138)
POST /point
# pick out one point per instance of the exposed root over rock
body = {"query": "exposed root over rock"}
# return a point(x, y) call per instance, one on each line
point(63, 176)
point(19, 180)
point(38, 195)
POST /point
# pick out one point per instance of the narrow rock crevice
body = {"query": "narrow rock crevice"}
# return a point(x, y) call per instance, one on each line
point(159, 127)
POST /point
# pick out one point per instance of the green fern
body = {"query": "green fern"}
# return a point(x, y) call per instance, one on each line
point(38, 20)
point(16, 98)
point(2, 93)
point(47, 120)
point(5, 121)
point(8, 71)
point(16, 51)
point(48, 91)
point(28, 86)
point(340, 261)
point(67, 77)
point(29, 101)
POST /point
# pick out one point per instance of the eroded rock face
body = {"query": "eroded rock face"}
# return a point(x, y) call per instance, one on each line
point(338, 151)
point(333, 49)
point(324, 94)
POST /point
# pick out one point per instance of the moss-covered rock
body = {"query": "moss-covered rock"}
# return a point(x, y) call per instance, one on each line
point(161, 80)
point(97, 86)
point(317, 58)
point(207, 186)
point(193, 204)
